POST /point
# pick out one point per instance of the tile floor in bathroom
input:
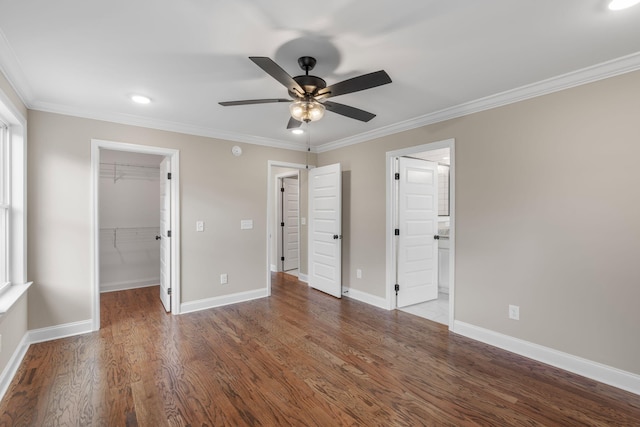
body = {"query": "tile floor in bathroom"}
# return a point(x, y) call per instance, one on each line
point(436, 310)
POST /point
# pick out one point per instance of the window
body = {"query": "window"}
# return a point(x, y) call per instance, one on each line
point(5, 204)
point(13, 215)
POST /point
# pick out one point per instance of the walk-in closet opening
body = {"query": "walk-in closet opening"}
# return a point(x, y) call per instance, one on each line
point(129, 210)
point(136, 234)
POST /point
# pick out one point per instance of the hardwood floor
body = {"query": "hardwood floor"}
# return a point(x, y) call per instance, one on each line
point(298, 358)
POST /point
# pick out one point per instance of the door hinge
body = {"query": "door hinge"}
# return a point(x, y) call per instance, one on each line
point(282, 189)
point(397, 176)
point(169, 233)
point(169, 291)
point(168, 175)
point(396, 288)
point(282, 224)
point(397, 232)
point(281, 258)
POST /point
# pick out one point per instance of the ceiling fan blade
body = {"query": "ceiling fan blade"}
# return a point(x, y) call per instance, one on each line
point(351, 112)
point(366, 81)
point(253, 101)
point(275, 71)
point(293, 123)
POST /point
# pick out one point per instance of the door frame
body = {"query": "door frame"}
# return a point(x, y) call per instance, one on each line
point(174, 155)
point(390, 197)
point(271, 209)
point(279, 241)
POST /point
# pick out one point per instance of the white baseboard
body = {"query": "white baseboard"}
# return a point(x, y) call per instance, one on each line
point(130, 284)
point(60, 331)
point(203, 304)
point(596, 371)
point(365, 297)
point(303, 277)
point(14, 363)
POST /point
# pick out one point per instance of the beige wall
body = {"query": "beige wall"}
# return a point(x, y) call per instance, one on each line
point(216, 187)
point(13, 327)
point(12, 96)
point(547, 218)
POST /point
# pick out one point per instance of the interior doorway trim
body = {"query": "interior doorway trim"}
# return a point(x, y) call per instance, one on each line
point(271, 208)
point(174, 155)
point(390, 254)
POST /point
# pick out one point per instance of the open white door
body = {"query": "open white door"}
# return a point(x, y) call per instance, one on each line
point(417, 247)
point(165, 234)
point(290, 231)
point(325, 229)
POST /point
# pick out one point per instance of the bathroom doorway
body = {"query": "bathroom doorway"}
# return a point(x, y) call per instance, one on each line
point(420, 219)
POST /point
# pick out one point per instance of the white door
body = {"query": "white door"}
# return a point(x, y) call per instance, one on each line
point(325, 229)
point(417, 249)
point(290, 231)
point(165, 233)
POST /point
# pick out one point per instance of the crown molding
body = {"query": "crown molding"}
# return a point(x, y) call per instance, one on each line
point(604, 70)
point(10, 67)
point(166, 125)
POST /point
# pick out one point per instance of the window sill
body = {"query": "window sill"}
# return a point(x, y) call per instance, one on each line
point(10, 296)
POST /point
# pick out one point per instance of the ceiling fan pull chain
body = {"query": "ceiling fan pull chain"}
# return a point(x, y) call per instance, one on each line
point(308, 142)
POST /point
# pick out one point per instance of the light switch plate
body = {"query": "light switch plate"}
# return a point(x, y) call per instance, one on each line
point(246, 224)
point(199, 225)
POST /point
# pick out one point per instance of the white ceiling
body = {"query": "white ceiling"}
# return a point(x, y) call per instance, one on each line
point(445, 58)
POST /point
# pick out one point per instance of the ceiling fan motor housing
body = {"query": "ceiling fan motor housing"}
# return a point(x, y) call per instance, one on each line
point(310, 84)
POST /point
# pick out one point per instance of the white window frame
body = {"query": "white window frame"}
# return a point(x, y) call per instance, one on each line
point(5, 205)
point(15, 184)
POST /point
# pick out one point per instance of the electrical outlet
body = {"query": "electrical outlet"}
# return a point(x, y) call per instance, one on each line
point(514, 312)
point(358, 274)
point(223, 279)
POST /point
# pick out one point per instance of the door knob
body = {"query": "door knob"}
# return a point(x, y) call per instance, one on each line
point(335, 237)
point(158, 237)
point(436, 237)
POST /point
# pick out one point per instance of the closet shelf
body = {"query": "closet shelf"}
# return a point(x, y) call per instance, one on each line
point(118, 171)
point(125, 235)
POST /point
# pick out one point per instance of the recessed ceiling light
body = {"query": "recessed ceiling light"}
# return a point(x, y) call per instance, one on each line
point(140, 99)
point(622, 4)
point(297, 131)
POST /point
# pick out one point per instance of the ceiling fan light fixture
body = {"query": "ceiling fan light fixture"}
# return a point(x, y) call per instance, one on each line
point(622, 4)
point(306, 110)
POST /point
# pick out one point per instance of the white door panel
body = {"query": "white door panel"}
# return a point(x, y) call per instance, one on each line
point(325, 229)
point(165, 226)
point(291, 232)
point(417, 250)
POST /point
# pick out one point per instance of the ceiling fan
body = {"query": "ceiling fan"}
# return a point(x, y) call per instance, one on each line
point(310, 93)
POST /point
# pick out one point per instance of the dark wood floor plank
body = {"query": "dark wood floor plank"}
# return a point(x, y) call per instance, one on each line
point(297, 358)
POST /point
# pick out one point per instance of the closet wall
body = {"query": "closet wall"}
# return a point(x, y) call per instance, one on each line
point(129, 220)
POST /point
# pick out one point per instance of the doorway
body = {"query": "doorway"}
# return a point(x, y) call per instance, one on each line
point(276, 171)
point(288, 221)
point(420, 249)
point(129, 210)
point(167, 232)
